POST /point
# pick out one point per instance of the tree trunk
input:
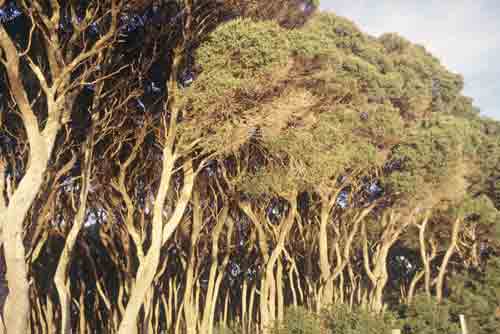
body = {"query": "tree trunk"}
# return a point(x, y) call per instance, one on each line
point(425, 258)
point(446, 260)
point(327, 289)
point(61, 275)
point(268, 291)
point(160, 234)
point(206, 326)
point(190, 308)
point(17, 305)
point(393, 227)
point(279, 292)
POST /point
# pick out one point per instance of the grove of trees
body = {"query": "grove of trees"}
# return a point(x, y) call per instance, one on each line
point(238, 166)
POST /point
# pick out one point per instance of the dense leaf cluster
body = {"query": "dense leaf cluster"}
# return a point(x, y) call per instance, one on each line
point(382, 100)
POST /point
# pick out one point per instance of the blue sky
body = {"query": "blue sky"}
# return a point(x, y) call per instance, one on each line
point(464, 34)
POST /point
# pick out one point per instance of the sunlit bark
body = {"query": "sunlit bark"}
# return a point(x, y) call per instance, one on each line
point(61, 276)
point(446, 259)
point(376, 264)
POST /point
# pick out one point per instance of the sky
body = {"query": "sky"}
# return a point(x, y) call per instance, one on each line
point(463, 34)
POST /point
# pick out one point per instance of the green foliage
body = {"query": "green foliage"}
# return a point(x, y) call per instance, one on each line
point(383, 126)
point(289, 14)
point(232, 328)
point(463, 107)
point(270, 182)
point(475, 295)
point(359, 103)
point(243, 48)
point(317, 156)
point(240, 55)
point(373, 53)
point(310, 44)
point(325, 35)
point(389, 66)
point(393, 43)
point(430, 155)
point(299, 321)
point(426, 316)
point(488, 163)
point(379, 88)
point(423, 73)
point(341, 320)
point(336, 30)
point(478, 298)
point(478, 210)
point(495, 189)
point(338, 319)
point(367, 74)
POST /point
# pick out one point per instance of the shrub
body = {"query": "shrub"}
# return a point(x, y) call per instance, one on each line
point(426, 316)
point(341, 320)
point(338, 319)
point(299, 321)
point(477, 296)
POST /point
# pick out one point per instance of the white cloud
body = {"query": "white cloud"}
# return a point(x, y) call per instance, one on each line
point(464, 34)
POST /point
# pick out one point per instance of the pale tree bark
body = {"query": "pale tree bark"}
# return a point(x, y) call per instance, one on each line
point(328, 200)
point(160, 232)
point(250, 323)
point(3, 202)
point(206, 326)
point(159, 235)
point(475, 257)
point(244, 303)
point(421, 274)
point(413, 286)
point(264, 250)
point(280, 299)
point(190, 308)
point(59, 94)
point(444, 264)
point(292, 270)
point(468, 245)
point(269, 284)
point(327, 289)
point(220, 276)
point(61, 275)
point(425, 257)
point(284, 233)
point(120, 186)
point(376, 264)
point(327, 246)
point(343, 257)
point(17, 305)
